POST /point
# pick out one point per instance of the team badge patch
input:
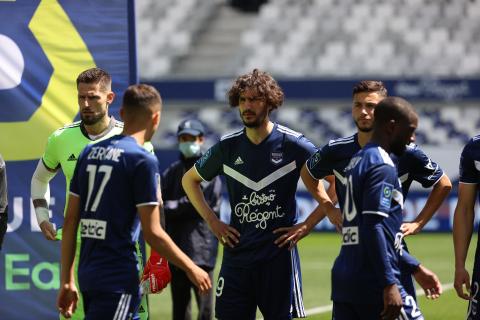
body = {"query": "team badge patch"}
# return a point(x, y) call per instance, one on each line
point(276, 157)
point(386, 196)
point(314, 160)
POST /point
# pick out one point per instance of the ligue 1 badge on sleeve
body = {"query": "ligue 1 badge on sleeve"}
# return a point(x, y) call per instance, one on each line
point(276, 157)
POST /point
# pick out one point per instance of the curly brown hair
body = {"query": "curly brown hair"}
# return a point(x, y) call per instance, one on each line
point(260, 81)
point(370, 86)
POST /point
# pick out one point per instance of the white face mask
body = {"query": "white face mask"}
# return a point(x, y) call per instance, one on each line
point(189, 149)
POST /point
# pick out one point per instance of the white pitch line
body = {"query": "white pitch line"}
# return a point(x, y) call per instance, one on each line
point(327, 308)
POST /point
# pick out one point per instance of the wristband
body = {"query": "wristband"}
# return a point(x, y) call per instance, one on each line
point(42, 214)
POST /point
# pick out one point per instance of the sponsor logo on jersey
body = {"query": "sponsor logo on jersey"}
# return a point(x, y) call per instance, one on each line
point(276, 157)
point(238, 161)
point(92, 228)
point(72, 158)
point(258, 208)
point(349, 236)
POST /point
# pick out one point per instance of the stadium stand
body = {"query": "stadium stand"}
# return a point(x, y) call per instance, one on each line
point(332, 38)
point(439, 125)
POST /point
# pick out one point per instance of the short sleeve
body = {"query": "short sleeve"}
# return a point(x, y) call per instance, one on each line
point(469, 167)
point(306, 150)
point(424, 170)
point(210, 164)
point(50, 156)
point(320, 164)
point(378, 190)
point(146, 182)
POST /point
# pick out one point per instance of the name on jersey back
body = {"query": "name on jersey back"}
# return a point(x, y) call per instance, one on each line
point(108, 153)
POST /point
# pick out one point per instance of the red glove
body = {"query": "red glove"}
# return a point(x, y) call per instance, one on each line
point(156, 275)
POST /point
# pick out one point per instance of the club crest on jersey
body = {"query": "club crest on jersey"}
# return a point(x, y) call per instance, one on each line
point(276, 157)
point(477, 165)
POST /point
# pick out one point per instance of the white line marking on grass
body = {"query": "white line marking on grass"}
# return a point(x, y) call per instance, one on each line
point(329, 307)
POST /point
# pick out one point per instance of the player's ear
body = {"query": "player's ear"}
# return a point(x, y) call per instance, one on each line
point(156, 118)
point(110, 97)
point(122, 114)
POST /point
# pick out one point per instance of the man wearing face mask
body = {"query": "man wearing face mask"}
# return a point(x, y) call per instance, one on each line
point(185, 226)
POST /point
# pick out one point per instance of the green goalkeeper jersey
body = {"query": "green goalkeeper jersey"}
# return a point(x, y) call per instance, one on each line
point(65, 144)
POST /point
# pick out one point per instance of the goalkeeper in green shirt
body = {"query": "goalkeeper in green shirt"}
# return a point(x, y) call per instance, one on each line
point(95, 94)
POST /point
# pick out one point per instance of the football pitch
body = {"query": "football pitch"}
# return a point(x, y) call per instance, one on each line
point(318, 251)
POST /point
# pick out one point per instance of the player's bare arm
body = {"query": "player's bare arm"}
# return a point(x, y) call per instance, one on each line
point(331, 191)
point(435, 199)
point(40, 193)
point(226, 234)
point(68, 294)
point(462, 234)
point(392, 302)
point(161, 242)
point(429, 282)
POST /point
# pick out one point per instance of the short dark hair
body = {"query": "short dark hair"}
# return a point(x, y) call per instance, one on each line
point(392, 108)
point(141, 98)
point(370, 86)
point(260, 81)
point(96, 75)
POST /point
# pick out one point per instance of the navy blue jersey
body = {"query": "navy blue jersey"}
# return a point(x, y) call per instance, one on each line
point(372, 188)
point(415, 165)
point(261, 181)
point(332, 159)
point(112, 178)
point(470, 170)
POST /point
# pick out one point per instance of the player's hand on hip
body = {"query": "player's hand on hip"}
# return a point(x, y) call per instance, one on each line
point(200, 279)
point(227, 235)
point(410, 228)
point(429, 282)
point(48, 230)
point(291, 235)
point(335, 217)
point(392, 302)
point(462, 278)
point(67, 299)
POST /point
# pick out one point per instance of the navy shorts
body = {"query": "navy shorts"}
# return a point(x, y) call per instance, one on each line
point(110, 305)
point(361, 311)
point(274, 287)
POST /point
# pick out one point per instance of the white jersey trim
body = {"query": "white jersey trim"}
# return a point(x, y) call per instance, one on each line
point(143, 204)
point(257, 186)
point(201, 177)
point(385, 156)
point(342, 179)
point(74, 194)
point(309, 172)
point(404, 177)
point(380, 213)
point(341, 141)
point(231, 135)
point(467, 182)
point(288, 131)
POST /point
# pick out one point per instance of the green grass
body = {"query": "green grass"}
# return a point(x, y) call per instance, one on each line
point(318, 252)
